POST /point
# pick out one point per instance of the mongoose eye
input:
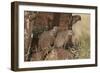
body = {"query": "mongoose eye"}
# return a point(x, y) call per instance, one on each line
point(31, 35)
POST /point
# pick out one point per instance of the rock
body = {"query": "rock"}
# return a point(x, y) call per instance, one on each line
point(59, 54)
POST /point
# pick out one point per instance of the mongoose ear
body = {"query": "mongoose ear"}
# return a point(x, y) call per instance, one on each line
point(75, 19)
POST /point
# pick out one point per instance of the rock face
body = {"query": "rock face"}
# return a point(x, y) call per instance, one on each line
point(47, 34)
point(27, 33)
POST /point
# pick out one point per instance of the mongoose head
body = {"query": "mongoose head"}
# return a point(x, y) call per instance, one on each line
point(54, 30)
point(75, 18)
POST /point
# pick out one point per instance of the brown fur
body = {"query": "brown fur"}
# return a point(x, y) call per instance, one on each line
point(46, 39)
